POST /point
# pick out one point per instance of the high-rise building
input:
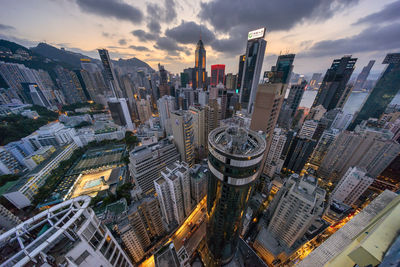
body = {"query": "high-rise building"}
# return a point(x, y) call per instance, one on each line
point(299, 151)
point(362, 77)
point(144, 109)
point(200, 66)
point(130, 239)
point(120, 112)
point(270, 96)
point(390, 177)
point(146, 163)
point(281, 72)
point(332, 92)
point(173, 192)
point(266, 108)
point(7, 219)
point(198, 182)
point(182, 130)
point(254, 58)
point(315, 81)
point(367, 148)
point(35, 95)
point(163, 87)
point(199, 126)
point(110, 73)
point(234, 165)
point(230, 81)
point(217, 74)
point(308, 129)
point(352, 185)
point(383, 93)
point(323, 145)
point(68, 87)
point(295, 95)
point(342, 120)
point(165, 105)
point(274, 162)
point(71, 236)
point(242, 59)
point(298, 204)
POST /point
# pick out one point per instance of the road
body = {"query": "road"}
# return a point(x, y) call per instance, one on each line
point(182, 232)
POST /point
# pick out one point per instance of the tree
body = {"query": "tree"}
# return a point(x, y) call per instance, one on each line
point(130, 139)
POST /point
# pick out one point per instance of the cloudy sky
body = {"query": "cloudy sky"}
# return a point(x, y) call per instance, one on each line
point(166, 31)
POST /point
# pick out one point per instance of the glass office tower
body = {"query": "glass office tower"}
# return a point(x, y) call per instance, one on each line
point(252, 68)
point(235, 156)
point(383, 93)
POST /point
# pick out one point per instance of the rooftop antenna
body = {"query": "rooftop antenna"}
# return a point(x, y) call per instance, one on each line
point(200, 30)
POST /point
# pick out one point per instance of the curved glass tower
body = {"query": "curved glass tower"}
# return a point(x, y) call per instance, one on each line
point(235, 156)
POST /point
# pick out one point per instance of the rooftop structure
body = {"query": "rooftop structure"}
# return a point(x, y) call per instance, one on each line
point(68, 234)
point(356, 228)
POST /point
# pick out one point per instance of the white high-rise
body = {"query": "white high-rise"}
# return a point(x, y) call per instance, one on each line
point(354, 182)
point(308, 129)
point(173, 192)
point(273, 162)
point(300, 204)
point(165, 105)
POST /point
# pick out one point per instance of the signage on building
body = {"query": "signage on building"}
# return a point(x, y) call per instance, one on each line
point(256, 34)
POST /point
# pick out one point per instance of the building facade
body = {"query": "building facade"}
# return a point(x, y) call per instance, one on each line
point(234, 163)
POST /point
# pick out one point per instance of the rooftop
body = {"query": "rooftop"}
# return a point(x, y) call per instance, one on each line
point(237, 141)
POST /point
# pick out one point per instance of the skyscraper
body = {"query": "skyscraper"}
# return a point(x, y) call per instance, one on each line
point(200, 65)
point(315, 80)
point(295, 95)
point(352, 185)
point(332, 92)
point(109, 71)
point(217, 74)
point(383, 93)
point(321, 149)
point(369, 148)
point(274, 162)
point(242, 59)
point(234, 163)
point(299, 151)
point(146, 163)
point(173, 192)
point(120, 112)
point(182, 130)
point(362, 77)
point(252, 68)
point(294, 211)
point(163, 87)
point(165, 105)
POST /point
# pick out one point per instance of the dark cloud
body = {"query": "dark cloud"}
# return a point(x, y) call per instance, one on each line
point(4, 27)
point(273, 14)
point(157, 14)
point(122, 42)
point(139, 48)
point(154, 26)
point(105, 34)
point(169, 45)
point(389, 13)
point(116, 9)
point(189, 33)
point(375, 38)
point(144, 36)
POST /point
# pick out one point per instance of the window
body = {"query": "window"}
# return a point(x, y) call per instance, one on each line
point(82, 257)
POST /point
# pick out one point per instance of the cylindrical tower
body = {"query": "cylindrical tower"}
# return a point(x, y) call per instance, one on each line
point(235, 156)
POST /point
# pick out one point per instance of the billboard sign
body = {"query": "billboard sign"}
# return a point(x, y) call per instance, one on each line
point(256, 34)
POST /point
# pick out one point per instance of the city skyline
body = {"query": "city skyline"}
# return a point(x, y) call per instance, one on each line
point(195, 148)
point(167, 32)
